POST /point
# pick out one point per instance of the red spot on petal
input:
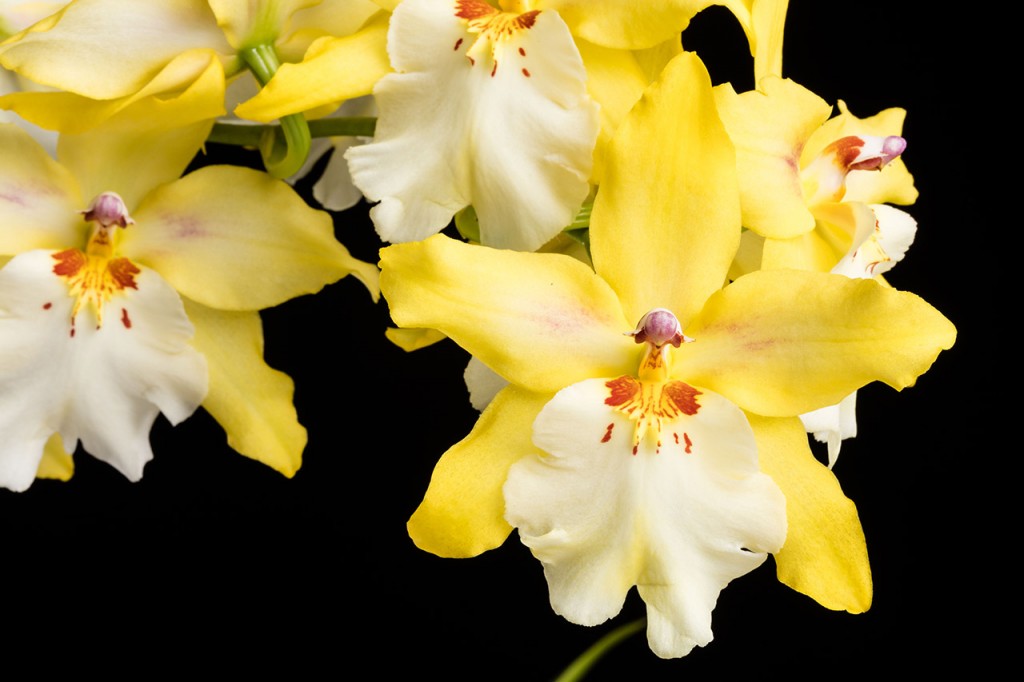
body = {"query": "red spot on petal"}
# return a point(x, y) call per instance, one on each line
point(494, 68)
point(457, 44)
point(623, 389)
point(69, 262)
point(846, 149)
point(473, 9)
point(471, 60)
point(522, 52)
point(683, 396)
point(123, 271)
point(527, 19)
point(689, 443)
point(608, 433)
point(125, 320)
point(676, 437)
point(526, 73)
point(47, 305)
point(635, 448)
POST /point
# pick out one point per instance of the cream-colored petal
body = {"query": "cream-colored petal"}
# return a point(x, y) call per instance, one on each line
point(666, 220)
point(833, 425)
point(39, 199)
point(105, 49)
point(542, 321)
point(879, 243)
point(251, 401)
point(784, 342)
point(103, 385)
point(769, 127)
point(679, 515)
point(505, 126)
point(463, 511)
point(825, 555)
point(236, 239)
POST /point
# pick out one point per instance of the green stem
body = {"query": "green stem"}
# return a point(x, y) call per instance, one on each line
point(582, 665)
point(281, 158)
point(248, 134)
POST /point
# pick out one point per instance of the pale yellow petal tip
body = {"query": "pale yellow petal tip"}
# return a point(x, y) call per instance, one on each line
point(413, 339)
point(367, 273)
point(56, 464)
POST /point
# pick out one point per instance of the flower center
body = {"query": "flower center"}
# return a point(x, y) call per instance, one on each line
point(494, 28)
point(824, 179)
point(95, 275)
point(651, 400)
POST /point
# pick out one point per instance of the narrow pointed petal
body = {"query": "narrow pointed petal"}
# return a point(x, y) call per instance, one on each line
point(251, 401)
point(815, 339)
point(38, 197)
point(206, 235)
point(511, 129)
point(413, 339)
point(56, 464)
point(542, 321)
point(679, 518)
point(73, 50)
point(768, 21)
point(333, 70)
point(672, 144)
point(463, 512)
point(103, 386)
point(825, 555)
point(769, 127)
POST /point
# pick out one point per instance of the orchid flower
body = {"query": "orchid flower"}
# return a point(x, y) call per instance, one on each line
point(812, 190)
point(649, 434)
point(129, 292)
point(104, 55)
point(505, 106)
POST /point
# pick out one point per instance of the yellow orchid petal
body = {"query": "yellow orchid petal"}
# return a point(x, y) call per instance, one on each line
point(893, 183)
point(625, 24)
point(768, 21)
point(74, 50)
point(56, 463)
point(616, 79)
point(249, 399)
point(38, 197)
point(686, 175)
point(189, 88)
point(769, 127)
point(543, 321)
point(130, 160)
point(334, 69)
point(784, 342)
point(413, 339)
point(809, 251)
point(825, 555)
point(463, 511)
point(206, 235)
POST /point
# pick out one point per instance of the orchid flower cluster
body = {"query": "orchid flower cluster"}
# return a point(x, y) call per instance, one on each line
point(669, 289)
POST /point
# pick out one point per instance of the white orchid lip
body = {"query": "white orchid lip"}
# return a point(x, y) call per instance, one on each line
point(827, 173)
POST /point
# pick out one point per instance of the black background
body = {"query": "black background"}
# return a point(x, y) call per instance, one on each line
point(216, 562)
